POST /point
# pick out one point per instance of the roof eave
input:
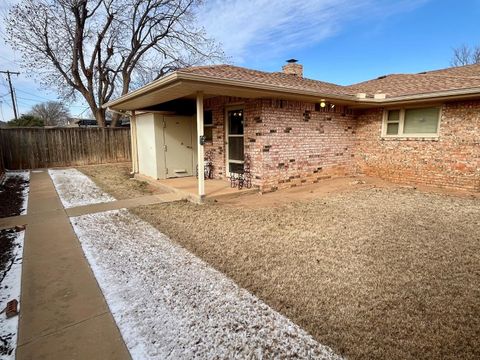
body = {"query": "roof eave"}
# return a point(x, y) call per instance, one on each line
point(266, 87)
point(143, 90)
point(433, 96)
point(351, 99)
point(179, 76)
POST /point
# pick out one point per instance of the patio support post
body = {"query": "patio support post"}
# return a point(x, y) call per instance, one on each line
point(200, 150)
point(133, 140)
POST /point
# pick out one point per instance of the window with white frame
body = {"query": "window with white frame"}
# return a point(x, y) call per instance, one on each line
point(414, 122)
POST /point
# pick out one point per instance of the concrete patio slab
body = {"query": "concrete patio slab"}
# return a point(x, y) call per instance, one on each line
point(187, 187)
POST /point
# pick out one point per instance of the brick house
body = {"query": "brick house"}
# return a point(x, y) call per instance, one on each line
point(407, 128)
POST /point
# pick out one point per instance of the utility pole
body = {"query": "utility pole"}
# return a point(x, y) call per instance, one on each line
point(14, 103)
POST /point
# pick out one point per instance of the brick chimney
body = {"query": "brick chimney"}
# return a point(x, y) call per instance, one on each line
point(292, 68)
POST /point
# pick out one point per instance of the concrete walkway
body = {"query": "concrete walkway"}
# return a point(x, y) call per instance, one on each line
point(121, 204)
point(63, 312)
point(52, 211)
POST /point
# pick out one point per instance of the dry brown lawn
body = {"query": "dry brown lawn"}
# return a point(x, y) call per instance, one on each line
point(115, 179)
point(376, 273)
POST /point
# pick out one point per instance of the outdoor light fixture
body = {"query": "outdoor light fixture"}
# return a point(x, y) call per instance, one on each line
point(324, 104)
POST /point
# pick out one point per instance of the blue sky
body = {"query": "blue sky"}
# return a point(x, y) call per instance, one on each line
point(341, 41)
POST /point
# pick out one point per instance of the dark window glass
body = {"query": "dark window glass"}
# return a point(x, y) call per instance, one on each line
point(235, 148)
point(207, 117)
point(208, 125)
point(235, 168)
point(235, 122)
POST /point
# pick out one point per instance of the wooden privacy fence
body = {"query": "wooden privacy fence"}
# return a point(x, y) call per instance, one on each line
point(31, 148)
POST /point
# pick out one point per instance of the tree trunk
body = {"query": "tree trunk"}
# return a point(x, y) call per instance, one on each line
point(100, 117)
point(115, 119)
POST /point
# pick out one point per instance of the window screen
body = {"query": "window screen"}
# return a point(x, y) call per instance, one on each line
point(421, 121)
point(393, 122)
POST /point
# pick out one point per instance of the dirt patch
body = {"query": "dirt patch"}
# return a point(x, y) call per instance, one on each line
point(116, 180)
point(12, 195)
point(375, 273)
point(303, 193)
point(7, 259)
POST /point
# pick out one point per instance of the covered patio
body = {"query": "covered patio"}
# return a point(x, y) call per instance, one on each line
point(204, 114)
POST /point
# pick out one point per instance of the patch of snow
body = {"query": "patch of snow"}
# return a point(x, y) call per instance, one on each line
point(76, 188)
point(169, 304)
point(25, 175)
point(10, 289)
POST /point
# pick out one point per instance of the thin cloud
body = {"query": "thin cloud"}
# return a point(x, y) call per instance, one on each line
point(269, 28)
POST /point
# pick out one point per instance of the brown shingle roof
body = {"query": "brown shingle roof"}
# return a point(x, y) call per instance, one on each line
point(460, 71)
point(230, 72)
point(456, 78)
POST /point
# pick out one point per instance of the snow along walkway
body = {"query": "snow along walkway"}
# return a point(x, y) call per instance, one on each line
point(80, 195)
point(10, 289)
point(168, 303)
point(76, 189)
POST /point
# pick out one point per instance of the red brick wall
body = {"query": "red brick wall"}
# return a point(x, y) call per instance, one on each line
point(289, 143)
point(299, 145)
point(451, 161)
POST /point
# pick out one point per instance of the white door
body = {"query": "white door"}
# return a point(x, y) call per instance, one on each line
point(178, 146)
point(235, 148)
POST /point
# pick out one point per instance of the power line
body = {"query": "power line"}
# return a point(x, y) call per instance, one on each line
point(11, 89)
point(28, 99)
point(36, 98)
point(13, 62)
point(34, 95)
point(37, 101)
point(10, 106)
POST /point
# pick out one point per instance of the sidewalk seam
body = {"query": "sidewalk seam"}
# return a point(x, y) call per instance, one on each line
point(61, 329)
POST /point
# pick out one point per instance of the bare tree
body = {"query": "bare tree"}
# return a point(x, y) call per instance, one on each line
point(100, 49)
point(465, 55)
point(53, 113)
